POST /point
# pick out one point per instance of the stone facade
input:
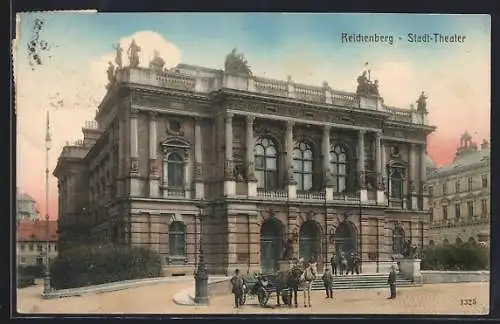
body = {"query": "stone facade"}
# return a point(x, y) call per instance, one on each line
point(460, 196)
point(192, 154)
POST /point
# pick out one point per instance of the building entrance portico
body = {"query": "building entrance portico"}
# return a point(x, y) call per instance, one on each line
point(345, 238)
point(310, 241)
point(271, 237)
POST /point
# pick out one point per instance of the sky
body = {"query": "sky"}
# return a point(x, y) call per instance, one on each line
point(70, 82)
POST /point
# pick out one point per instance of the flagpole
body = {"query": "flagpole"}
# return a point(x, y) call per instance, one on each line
point(48, 141)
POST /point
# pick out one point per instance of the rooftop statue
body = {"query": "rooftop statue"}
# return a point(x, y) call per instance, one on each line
point(237, 64)
point(365, 86)
point(422, 103)
point(111, 75)
point(118, 56)
point(133, 54)
point(157, 63)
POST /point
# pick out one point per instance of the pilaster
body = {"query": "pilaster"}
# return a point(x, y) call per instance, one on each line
point(154, 179)
point(413, 178)
point(135, 186)
point(363, 193)
point(292, 184)
point(250, 155)
point(229, 183)
point(379, 166)
point(199, 188)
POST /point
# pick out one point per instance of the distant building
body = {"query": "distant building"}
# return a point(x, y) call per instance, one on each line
point(270, 160)
point(26, 207)
point(31, 237)
point(459, 196)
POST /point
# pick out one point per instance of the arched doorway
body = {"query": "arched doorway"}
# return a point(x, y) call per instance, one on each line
point(345, 239)
point(310, 241)
point(458, 241)
point(270, 246)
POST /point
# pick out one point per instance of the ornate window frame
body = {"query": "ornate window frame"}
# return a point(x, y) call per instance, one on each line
point(261, 141)
point(182, 148)
point(299, 157)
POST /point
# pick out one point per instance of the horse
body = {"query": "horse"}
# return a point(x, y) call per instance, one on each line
point(306, 283)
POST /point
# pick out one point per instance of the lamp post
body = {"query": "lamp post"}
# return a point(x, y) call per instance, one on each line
point(201, 274)
point(48, 142)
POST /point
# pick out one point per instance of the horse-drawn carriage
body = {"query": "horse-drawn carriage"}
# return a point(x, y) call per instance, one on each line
point(262, 288)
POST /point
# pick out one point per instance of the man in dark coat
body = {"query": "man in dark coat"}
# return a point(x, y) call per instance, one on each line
point(392, 282)
point(333, 264)
point(328, 283)
point(238, 283)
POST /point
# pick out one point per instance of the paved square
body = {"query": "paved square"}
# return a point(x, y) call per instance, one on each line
point(157, 299)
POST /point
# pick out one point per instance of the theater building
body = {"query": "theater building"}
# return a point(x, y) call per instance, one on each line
point(193, 156)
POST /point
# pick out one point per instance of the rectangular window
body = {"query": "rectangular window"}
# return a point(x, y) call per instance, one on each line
point(484, 181)
point(431, 214)
point(445, 213)
point(470, 208)
point(445, 188)
point(457, 211)
point(484, 207)
point(55, 247)
point(469, 180)
point(23, 247)
point(39, 247)
point(457, 186)
point(32, 247)
point(431, 191)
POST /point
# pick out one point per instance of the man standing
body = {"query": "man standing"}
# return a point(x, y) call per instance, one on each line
point(328, 283)
point(392, 282)
point(237, 282)
point(333, 263)
point(309, 276)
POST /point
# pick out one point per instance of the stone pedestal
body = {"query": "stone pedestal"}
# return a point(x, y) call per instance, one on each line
point(329, 193)
point(292, 191)
point(135, 187)
point(252, 188)
point(199, 188)
point(363, 195)
point(410, 268)
point(229, 188)
point(381, 197)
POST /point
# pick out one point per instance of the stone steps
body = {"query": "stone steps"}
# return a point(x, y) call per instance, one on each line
point(362, 281)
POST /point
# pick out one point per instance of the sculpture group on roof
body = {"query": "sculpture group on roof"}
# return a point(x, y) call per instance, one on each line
point(366, 86)
point(237, 64)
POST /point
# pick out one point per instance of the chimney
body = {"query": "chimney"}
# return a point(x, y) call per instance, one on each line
point(485, 145)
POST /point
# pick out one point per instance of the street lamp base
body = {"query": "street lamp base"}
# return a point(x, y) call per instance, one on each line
point(201, 300)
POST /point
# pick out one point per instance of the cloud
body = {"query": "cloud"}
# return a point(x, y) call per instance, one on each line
point(72, 88)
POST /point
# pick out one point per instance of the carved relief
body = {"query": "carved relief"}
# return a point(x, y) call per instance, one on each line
point(134, 166)
point(154, 166)
point(175, 127)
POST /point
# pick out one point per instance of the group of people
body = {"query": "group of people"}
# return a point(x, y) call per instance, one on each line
point(302, 275)
point(345, 263)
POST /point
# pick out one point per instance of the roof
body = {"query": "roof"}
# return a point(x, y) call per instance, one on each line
point(464, 162)
point(429, 163)
point(24, 196)
point(27, 230)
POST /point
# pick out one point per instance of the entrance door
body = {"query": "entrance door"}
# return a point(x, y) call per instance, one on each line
point(345, 239)
point(270, 246)
point(309, 241)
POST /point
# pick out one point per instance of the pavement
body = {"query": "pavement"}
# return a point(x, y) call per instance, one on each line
point(159, 299)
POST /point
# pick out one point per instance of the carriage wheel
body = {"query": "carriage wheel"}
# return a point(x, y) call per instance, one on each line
point(286, 297)
point(263, 296)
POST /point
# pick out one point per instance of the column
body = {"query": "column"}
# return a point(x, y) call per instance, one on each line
point(379, 168)
point(198, 160)
point(363, 194)
point(292, 185)
point(251, 180)
point(134, 155)
point(154, 179)
point(423, 178)
point(327, 177)
point(413, 178)
point(229, 183)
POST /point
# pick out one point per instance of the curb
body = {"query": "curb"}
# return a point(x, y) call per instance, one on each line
point(110, 287)
point(186, 297)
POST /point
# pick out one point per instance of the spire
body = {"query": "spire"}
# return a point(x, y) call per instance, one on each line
point(47, 133)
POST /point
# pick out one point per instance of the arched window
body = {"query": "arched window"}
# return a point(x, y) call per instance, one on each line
point(177, 239)
point(175, 170)
point(303, 166)
point(398, 239)
point(266, 166)
point(338, 161)
point(396, 180)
